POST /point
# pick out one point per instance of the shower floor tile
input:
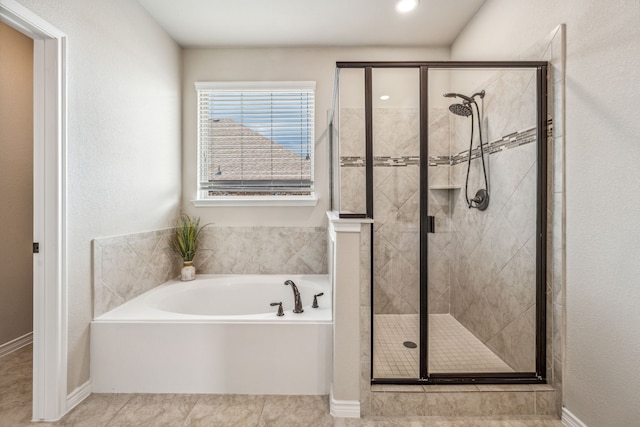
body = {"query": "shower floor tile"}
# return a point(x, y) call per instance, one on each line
point(452, 348)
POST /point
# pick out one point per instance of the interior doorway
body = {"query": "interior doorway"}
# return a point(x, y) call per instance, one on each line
point(49, 210)
point(16, 189)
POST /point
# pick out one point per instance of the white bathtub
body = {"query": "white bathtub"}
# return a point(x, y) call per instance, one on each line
point(217, 334)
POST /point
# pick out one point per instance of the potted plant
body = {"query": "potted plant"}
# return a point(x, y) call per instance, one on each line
point(185, 243)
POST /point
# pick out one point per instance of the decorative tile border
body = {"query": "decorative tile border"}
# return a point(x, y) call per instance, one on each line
point(439, 160)
point(388, 161)
point(513, 140)
point(383, 161)
point(352, 162)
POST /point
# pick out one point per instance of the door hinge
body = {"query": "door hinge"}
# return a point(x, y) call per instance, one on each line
point(36, 247)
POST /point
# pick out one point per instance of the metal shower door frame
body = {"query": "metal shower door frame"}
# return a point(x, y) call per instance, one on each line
point(425, 377)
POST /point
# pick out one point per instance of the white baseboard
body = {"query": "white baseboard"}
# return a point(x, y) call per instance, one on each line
point(16, 344)
point(78, 395)
point(570, 420)
point(343, 408)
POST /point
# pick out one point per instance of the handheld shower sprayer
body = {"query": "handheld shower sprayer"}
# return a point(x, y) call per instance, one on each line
point(468, 99)
point(481, 199)
point(457, 95)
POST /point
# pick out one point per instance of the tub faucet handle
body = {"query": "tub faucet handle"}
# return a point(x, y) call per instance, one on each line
point(280, 310)
point(315, 299)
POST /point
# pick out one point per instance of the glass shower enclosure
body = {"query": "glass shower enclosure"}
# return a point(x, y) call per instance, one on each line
point(449, 160)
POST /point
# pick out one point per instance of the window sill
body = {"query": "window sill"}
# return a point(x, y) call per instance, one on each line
point(257, 201)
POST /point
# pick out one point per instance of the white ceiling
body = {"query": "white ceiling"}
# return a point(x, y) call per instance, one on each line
point(218, 23)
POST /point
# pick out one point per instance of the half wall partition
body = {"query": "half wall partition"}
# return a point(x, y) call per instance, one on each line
point(449, 160)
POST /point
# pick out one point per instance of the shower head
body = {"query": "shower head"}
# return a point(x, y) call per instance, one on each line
point(454, 95)
point(460, 110)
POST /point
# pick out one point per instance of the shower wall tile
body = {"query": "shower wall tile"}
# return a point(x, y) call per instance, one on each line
point(398, 186)
point(352, 190)
point(352, 152)
point(396, 132)
point(515, 344)
point(520, 209)
point(460, 131)
point(352, 132)
point(439, 132)
point(127, 266)
point(396, 212)
point(510, 103)
point(439, 175)
point(494, 284)
point(439, 146)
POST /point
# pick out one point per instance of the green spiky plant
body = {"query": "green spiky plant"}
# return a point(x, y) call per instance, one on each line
point(185, 238)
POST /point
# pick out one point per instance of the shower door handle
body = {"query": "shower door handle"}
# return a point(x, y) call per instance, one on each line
point(431, 224)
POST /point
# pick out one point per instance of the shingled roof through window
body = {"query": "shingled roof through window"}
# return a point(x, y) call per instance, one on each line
point(232, 151)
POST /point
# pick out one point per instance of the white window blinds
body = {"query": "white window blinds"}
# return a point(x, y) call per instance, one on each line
point(255, 138)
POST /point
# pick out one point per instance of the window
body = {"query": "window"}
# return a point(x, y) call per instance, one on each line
point(255, 139)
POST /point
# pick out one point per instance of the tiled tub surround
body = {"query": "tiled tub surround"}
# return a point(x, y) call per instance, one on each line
point(262, 250)
point(128, 266)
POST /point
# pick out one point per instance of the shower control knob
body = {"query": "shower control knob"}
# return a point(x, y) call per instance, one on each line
point(315, 300)
point(280, 310)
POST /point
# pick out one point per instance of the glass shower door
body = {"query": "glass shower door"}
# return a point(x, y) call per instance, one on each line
point(396, 227)
point(482, 194)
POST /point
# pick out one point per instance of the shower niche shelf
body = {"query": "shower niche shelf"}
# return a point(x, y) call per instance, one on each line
point(445, 187)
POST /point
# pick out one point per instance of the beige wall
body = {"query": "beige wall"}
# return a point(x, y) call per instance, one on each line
point(316, 64)
point(601, 371)
point(16, 184)
point(123, 139)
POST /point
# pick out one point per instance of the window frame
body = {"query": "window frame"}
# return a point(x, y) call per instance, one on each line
point(255, 199)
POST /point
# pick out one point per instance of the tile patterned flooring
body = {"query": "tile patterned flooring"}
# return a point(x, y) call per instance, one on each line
point(452, 348)
point(152, 410)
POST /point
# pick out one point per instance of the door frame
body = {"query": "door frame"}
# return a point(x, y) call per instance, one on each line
point(49, 210)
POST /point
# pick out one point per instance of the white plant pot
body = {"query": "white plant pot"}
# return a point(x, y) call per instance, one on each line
point(188, 272)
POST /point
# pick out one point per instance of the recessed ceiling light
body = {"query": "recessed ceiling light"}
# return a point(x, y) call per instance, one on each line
point(404, 6)
point(384, 97)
